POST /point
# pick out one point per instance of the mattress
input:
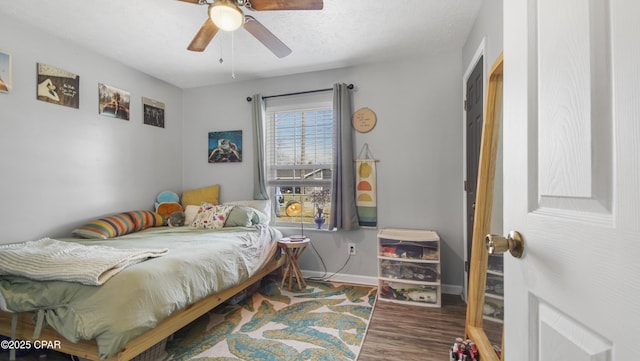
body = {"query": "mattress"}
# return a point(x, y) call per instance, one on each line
point(199, 263)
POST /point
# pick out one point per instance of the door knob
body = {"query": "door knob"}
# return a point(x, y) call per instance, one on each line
point(514, 243)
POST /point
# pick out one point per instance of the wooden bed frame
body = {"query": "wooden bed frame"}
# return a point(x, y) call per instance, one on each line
point(88, 349)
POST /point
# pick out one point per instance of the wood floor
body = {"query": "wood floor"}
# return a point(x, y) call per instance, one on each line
point(396, 332)
point(401, 332)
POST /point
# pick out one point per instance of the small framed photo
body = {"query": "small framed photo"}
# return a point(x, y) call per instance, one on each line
point(225, 147)
point(5, 72)
point(113, 102)
point(58, 86)
point(153, 112)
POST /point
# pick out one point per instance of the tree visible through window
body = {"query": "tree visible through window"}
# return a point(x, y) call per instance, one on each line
point(300, 145)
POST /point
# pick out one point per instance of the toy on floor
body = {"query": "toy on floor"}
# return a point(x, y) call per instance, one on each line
point(464, 351)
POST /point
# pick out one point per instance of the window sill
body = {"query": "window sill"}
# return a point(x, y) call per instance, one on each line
point(286, 229)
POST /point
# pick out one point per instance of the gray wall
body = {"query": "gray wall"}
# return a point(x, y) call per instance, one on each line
point(488, 26)
point(62, 166)
point(417, 139)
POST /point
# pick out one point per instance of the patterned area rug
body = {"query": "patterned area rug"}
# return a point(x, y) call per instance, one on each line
point(327, 321)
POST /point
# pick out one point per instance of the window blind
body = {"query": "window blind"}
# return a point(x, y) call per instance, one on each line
point(300, 142)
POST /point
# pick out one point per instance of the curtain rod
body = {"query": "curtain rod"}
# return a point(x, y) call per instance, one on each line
point(350, 86)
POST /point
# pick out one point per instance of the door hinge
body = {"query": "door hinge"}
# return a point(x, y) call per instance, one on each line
point(464, 106)
point(465, 186)
point(466, 266)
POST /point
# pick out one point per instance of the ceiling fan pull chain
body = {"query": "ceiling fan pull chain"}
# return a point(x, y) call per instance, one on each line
point(233, 60)
point(221, 60)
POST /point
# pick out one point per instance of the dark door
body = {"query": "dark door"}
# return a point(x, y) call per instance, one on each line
point(474, 111)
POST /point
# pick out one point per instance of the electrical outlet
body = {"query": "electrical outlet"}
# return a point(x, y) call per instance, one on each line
point(351, 249)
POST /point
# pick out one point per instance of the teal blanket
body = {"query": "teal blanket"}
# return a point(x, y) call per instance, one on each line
point(199, 263)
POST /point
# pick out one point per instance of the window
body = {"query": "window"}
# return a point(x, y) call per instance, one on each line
point(300, 146)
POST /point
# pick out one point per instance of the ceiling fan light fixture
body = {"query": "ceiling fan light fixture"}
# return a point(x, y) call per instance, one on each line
point(226, 15)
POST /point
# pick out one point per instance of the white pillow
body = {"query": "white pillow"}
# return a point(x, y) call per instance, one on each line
point(190, 213)
point(264, 206)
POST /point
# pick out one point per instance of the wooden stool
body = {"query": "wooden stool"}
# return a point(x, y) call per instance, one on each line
point(292, 250)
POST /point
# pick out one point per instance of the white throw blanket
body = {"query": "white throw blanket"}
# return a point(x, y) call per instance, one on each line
point(49, 259)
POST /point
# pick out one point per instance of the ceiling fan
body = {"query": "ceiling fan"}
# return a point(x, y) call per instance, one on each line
point(227, 15)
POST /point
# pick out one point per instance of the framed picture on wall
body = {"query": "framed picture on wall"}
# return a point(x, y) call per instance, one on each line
point(113, 102)
point(153, 112)
point(225, 147)
point(58, 86)
point(5, 72)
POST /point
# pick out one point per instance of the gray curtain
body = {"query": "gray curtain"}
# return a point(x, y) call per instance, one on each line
point(343, 210)
point(259, 163)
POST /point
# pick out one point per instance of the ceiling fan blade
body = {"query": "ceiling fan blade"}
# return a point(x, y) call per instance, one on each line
point(261, 5)
point(204, 36)
point(199, 2)
point(266, 37)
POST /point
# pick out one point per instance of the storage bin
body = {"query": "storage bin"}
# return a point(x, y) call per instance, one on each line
point(409, 266)
point(425, 272)
point(408, 292)
point(493, 309)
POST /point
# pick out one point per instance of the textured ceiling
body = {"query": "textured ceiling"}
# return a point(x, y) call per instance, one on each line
point(152, 35)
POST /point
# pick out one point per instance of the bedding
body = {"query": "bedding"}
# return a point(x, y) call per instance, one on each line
point(241, 216)
point(190, 213)
point(49, 259)
point(119, 224)
point(199, 263)
point(209, 194)
point(165, 209)
point(262, 206)
point(211, 216)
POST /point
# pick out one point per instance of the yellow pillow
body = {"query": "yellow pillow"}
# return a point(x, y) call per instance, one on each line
point(195, 197)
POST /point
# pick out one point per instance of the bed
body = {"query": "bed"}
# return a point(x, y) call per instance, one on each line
point(146, 302)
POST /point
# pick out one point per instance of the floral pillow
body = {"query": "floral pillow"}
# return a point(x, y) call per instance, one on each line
point(211, 216)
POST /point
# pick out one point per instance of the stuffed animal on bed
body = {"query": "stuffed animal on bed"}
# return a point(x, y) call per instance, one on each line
point(175, 219)
point(167, 203)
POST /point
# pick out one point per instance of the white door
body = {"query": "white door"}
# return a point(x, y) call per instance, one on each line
point(571, 187)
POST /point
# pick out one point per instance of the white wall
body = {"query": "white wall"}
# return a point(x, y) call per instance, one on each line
point(62, 166)
point(488, 26)
point(486, 36)
point(417, 139)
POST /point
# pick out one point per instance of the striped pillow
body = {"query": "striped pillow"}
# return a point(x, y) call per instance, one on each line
point(119, 225)
point(145, 219)
point(107, 227)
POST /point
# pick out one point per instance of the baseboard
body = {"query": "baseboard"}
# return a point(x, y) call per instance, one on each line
point(452, 289)
point(368, 280)
point(342, 277)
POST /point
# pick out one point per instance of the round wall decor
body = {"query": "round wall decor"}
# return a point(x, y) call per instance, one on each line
point(364, 119)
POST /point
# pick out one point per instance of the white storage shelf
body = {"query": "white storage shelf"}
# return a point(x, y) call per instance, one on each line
point(409, 266)
point(494, 291)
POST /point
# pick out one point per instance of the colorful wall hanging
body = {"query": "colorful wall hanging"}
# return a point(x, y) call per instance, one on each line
point(366, 200)
point(225, 147)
